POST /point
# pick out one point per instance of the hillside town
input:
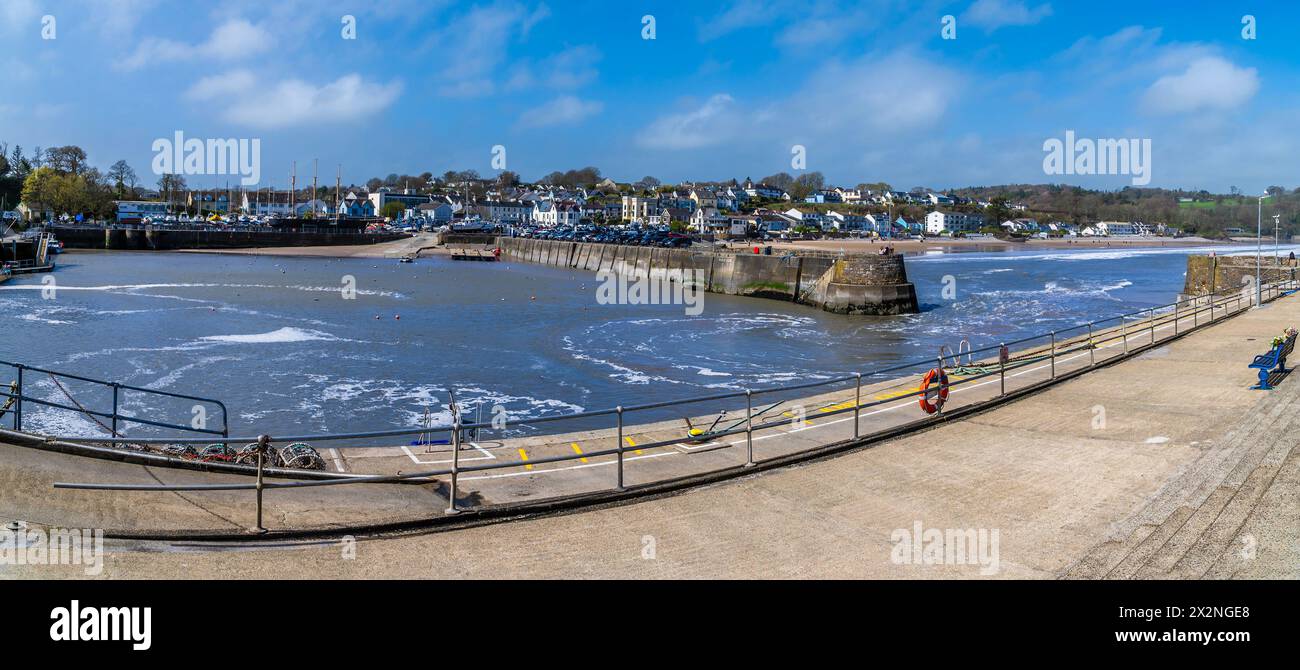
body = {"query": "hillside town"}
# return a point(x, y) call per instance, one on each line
point(59, 185)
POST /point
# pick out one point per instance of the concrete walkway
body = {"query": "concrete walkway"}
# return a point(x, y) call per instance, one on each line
point(1161, 466)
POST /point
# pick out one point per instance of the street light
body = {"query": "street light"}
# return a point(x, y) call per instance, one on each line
point(1277, 221)
point(1259, 249)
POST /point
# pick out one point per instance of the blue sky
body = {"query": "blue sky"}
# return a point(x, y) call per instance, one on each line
point(725, 89)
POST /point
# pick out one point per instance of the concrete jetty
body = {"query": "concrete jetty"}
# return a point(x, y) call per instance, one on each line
point(845, 284)
point(1163, 464)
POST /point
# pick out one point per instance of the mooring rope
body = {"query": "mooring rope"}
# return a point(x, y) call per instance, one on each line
point(85, 411)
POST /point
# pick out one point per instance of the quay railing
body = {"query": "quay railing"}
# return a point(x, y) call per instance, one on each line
point(1026, 364)
point(15, 398)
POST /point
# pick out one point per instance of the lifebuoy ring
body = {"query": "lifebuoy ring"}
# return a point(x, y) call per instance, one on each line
point(940, 396)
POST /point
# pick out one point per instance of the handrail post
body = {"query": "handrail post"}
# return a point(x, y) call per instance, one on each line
point(1052, 355)
point(1123, 324)
point(619, 411)
point(114, 429)
point(455, 464)
point(1092, 347)
point(749, 428)
point(263, 443)
point(1153, 325)
point(18, 404)
point(1176, 303)
point(1003, 355)
point(857, 404)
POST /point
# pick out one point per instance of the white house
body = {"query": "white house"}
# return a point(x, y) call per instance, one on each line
point(1021, 225)
point(708, 220)
point(557, 213)
point(505, 212)
point(1113, 228)
point(938, 222)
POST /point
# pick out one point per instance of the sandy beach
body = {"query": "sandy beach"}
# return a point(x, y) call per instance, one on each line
point(993, 244)
point(421, 245)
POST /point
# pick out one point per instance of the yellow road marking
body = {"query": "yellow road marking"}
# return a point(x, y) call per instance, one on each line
point(524, 455)
point(631, 443)
point(578, 451)
point(897, 394)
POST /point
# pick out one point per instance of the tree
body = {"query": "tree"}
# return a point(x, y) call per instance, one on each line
point(806, 184)
point(4, 161)
point(18, 164)
point(392, 210)
point(39, 188)
point(68, 160)
point(123, 177)
point(780, 180)
point(507, 179)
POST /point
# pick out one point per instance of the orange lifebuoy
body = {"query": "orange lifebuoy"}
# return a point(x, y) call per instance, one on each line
point(940, 396)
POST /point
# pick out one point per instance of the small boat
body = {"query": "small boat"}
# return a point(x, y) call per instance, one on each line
point(406, 259)
point(54, 246)
point(5, 273)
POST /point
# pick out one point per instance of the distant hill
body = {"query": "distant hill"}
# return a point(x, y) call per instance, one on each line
point(1194, 212)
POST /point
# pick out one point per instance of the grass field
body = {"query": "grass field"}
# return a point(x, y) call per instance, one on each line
point(1210, 204)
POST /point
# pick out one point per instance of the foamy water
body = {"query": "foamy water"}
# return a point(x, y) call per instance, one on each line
point(276, 339)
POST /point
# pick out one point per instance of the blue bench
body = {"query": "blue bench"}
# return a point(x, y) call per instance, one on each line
point(1272, 362)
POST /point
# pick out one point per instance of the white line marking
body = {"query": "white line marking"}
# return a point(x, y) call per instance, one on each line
point(487, 456)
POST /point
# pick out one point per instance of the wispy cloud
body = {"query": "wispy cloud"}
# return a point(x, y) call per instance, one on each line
point(563, 110)
point(293, 102)
point(993, 14)
point(708, 125)
point(233, 40)
point(567, 69)
point(908, 93)
point(473, 46)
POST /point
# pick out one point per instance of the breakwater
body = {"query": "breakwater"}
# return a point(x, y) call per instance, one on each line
point(1211, 273)
point(857, 284)
point(158, 239)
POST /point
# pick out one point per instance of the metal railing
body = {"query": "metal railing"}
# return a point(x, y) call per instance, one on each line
point(14, 396)
point(1041, 354)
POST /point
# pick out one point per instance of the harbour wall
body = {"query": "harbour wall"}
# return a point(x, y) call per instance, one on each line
point(859, 284)
point(1209, 274)
point(164, 239)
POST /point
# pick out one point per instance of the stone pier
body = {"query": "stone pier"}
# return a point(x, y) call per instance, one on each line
point(855, 284)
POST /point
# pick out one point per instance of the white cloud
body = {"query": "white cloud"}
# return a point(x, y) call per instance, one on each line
point(232, 40)
point(19, 15)
point(293, 101)
point(709, 125)
point(993, 14)
point(906, 94)
point(565, 109)
point(1207, 84)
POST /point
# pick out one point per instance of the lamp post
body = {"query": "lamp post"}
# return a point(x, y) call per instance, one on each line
point(1277, 222)
point(1259, 249)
